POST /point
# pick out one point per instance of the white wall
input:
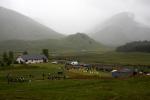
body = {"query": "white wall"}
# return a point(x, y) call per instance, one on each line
point(19, 60)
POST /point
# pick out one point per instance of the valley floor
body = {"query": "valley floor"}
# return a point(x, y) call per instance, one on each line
point(109, 57)
point(135, 88)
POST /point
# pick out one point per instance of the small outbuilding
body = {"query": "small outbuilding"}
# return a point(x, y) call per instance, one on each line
point(125, 72)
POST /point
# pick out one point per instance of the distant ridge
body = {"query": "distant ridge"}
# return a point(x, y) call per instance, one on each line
point(120, 29)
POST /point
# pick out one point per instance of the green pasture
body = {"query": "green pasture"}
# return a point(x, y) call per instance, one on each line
point(111, 57)
point(79, 87)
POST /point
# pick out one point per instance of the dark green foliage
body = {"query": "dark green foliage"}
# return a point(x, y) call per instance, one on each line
point(8, 58)
point(25, 52)
point(1, 64)
point(45, 52)
point(11, 56)
point(5, 57)
point(137, 46)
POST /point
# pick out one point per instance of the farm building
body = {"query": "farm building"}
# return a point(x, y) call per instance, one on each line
point(32, 59)
point(125, 72)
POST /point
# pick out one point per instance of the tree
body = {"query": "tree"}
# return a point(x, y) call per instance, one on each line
point(1, 63)
point(8, 58)
point(11, 57)
point(25, 52)
point(45, 52)
point(5, 57)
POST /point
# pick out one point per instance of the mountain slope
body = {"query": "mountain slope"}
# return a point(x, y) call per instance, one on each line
point(17, 26)
point(120, 29)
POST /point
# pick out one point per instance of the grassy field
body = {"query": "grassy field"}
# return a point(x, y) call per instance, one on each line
point(137, 88)
point(110, 57)
point(131, 89)
point(79, 85)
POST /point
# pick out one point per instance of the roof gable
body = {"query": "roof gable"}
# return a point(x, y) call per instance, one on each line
point(33, 57)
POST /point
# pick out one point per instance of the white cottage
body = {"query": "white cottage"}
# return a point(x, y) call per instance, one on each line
point(32, 59)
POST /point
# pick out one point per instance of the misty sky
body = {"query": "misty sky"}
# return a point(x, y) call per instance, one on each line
point(71, 16)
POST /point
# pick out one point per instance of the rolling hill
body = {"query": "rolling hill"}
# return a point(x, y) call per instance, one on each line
point(81, 40)
point(75, 42)
point(15, 26)
point(120, 29)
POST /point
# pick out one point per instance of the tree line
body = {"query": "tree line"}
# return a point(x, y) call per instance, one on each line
point(136, 46)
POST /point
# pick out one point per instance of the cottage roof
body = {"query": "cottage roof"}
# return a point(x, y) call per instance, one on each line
point(33, 57)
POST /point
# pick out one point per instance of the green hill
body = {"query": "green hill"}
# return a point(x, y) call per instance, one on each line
point(14, 26)
point(81, 41)
point(76, 42)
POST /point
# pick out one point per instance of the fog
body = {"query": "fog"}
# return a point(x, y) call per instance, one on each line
point(71, 16)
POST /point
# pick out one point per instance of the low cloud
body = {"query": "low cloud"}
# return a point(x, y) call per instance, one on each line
point(70, 16)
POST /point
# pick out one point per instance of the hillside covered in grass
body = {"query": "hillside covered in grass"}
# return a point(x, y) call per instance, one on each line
point(76, 42)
